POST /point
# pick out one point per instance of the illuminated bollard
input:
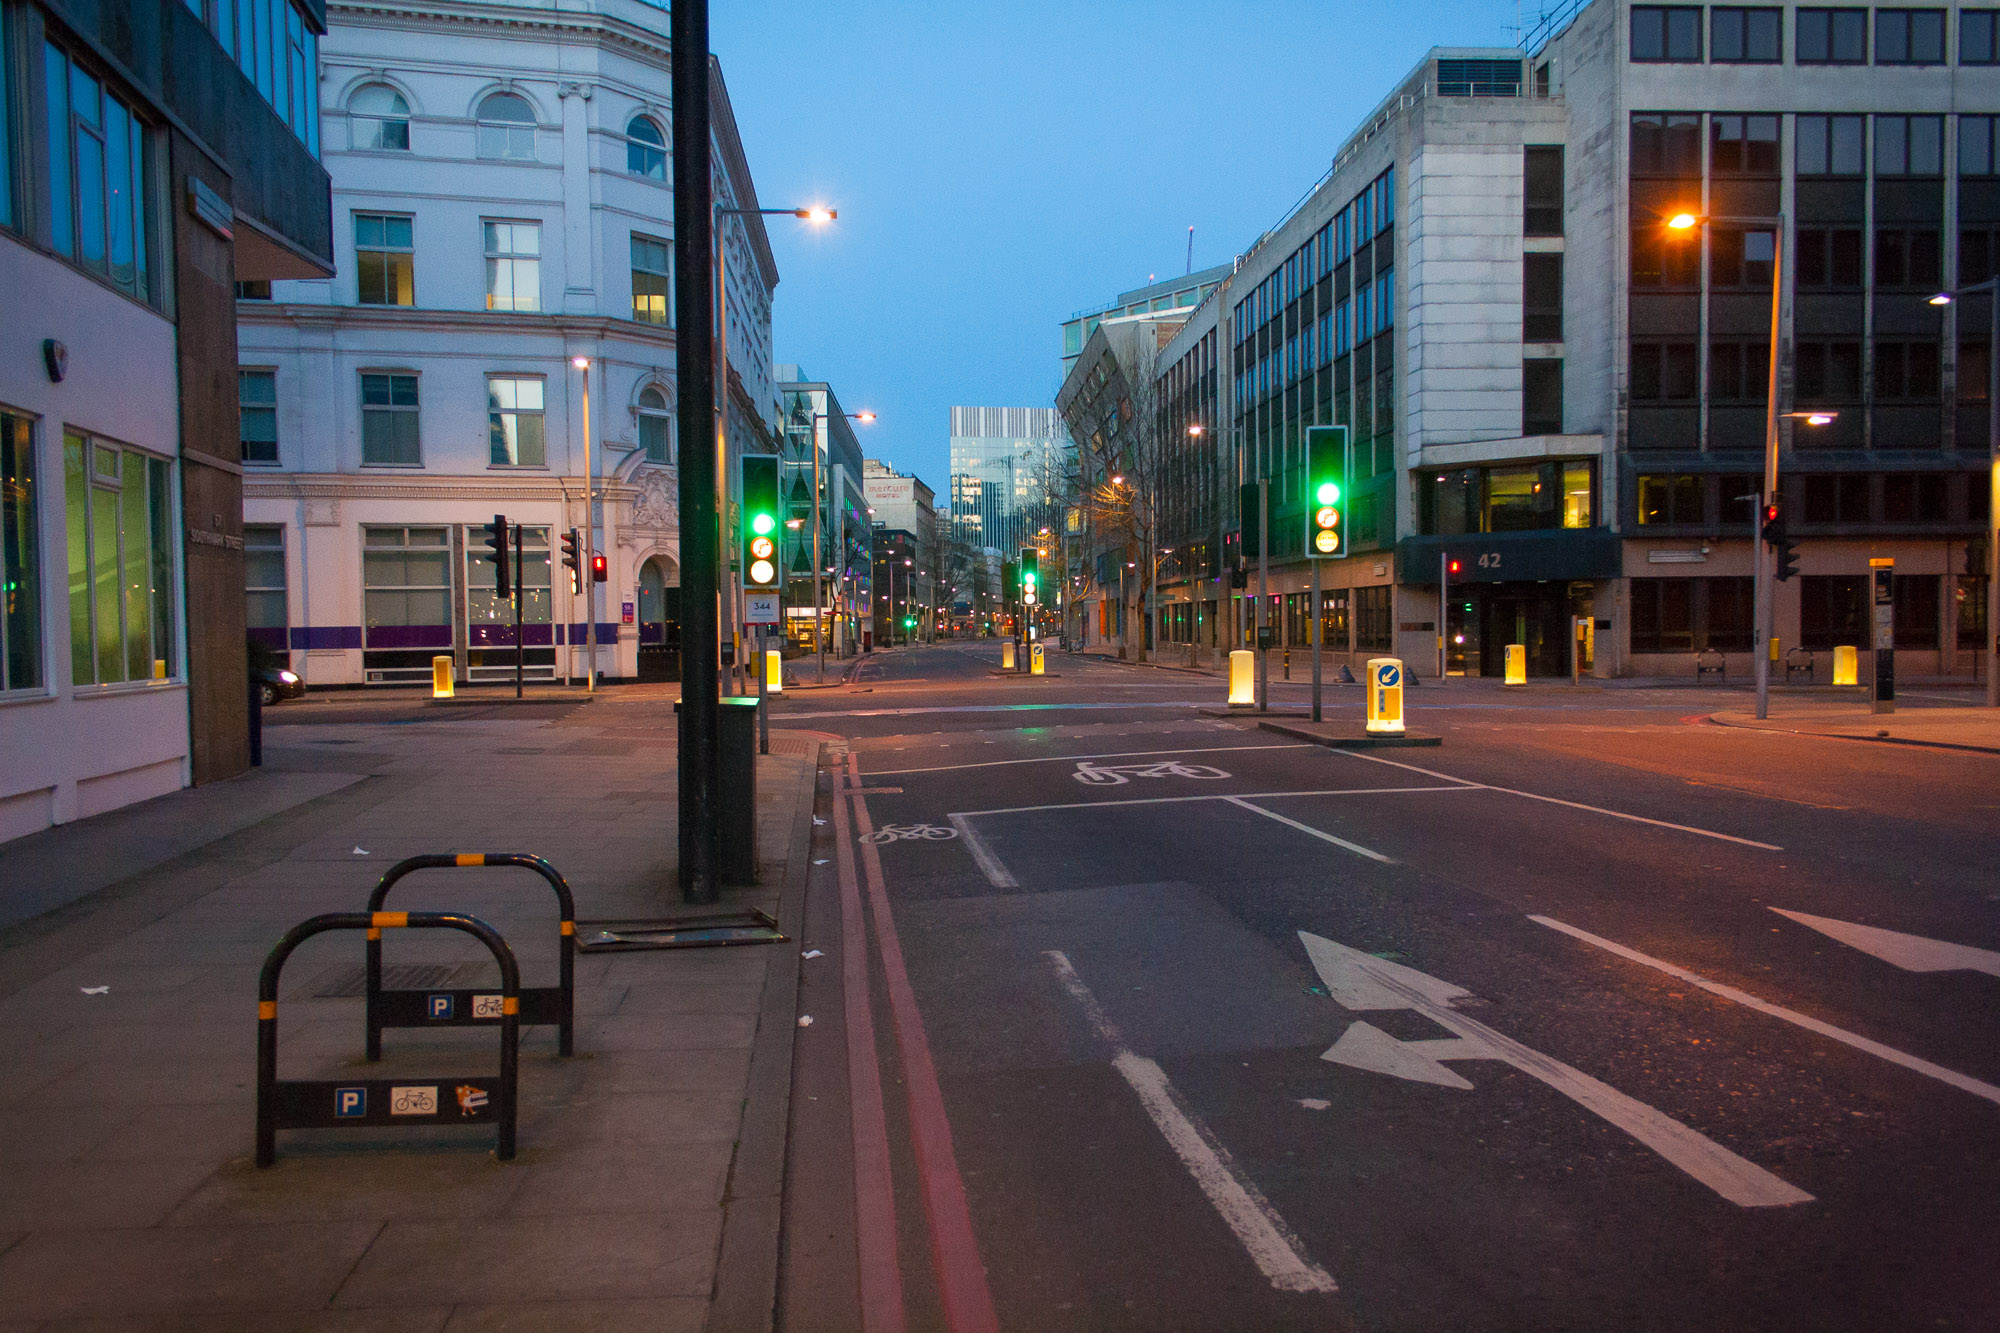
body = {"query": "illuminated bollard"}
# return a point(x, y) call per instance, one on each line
point(1007, 655)
point(1517, 664)
point(1385, 694)
point(441, 681)
point(774, 671)
point(1846, 668)
point(1242, 679)
point(1035, 660)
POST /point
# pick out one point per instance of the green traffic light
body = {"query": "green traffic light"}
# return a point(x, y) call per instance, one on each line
point(1328, 493)
point(762, 524)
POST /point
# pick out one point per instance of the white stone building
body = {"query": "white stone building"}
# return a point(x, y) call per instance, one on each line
point(502, 206)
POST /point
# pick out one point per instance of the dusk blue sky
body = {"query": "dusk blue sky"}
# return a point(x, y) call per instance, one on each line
point(1002, 164)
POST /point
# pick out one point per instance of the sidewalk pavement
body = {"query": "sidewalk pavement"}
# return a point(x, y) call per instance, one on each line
point(1849, 719)
point(645, 1192)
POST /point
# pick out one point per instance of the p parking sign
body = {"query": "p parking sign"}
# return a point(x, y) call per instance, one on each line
point(350, 1103)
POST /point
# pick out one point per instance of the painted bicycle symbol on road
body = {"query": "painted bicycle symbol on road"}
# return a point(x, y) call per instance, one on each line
point(1117, 775)
point(909, 833)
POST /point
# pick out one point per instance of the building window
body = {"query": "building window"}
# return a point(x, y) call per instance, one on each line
point(1667, 498)
point(1664, 372)
point(1739, 372)
point(1909, 36)
point(506, 127)
point(1740, 260)
point(264, 584)
point(1744, 36)
point(1691, 615)
point(385, 260)
point(1829, 259)
point(1542, 190)
point(1906, 372)
point(20, 557)
point(1915, 598)
point(1372, 624)
point(379, 118)
point(1831, 37)
point(652, 280)
point(645, 149)
point(1542, 396)
point(1833, 611)
point(1665, 145)
point(254, 289)
point(1664, 260)
point(257, 414)
point(1909, 145)
point(1666, 33)
point(1975, 145)
point(1908, 259)
point(1836, 497)
point(514, 424)
point(1829, 146)
point(389, 420)
point(1743, 145)
point(1827, 373)
point(7, 121)
point(97, 176)
point(513, 265)
point(1978, 37)
point(656, 425)
point(122, 584)
point(1915, 497)
point(1541, 298)
point(489, 618)
point(406, 596)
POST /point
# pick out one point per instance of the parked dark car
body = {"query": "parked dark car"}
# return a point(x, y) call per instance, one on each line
point(271, 675)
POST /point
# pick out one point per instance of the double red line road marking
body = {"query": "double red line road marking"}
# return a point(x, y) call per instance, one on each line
point(961, 1277)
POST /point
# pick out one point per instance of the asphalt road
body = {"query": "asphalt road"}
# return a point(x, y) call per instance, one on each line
point(1166, 1022)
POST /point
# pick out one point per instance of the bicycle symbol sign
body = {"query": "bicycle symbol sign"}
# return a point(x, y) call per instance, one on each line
point(1117, 775)
point(909, 833)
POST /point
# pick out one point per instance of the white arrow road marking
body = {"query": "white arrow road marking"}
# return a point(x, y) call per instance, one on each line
point(1354, 847)
point(1272, 1246)
point(1964, 1082)
point(1912, 953)
point(1362, 981)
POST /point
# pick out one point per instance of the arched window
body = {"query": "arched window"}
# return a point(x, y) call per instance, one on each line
point(380, 117)
point(645, 149)
point(506, 127)
point(656, 426)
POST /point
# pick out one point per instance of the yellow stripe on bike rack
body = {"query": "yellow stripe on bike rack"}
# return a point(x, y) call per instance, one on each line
point(569, 927)
point(472, 858)
point(266, 1009)
point(510, 1004)
point(392, 920)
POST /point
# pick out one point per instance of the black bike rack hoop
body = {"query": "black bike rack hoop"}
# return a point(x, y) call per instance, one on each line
point(374, 1103)
point(540, 1005)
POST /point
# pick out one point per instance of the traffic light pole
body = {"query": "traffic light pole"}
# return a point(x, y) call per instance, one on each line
point(699, 793)
point(1263, 592)
point(520, 653)
point(1314, 631)
point(588, 570)
point(1759, 557)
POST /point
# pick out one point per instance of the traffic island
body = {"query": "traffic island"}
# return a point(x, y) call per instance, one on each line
point(1345, 736)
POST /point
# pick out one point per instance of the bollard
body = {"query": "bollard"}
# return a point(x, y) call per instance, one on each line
point(1846, 665)
point(1007, 655)
point(774, 671)
point(1035, 659)
point(1385, 694)
point(1517, 664)
point(1242, 679)
point(442, 685)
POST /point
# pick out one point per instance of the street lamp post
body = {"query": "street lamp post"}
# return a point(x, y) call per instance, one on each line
point(589, 570)
point(1991, 648)
point(819, 506)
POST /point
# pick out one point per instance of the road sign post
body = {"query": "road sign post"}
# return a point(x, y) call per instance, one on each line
point(1882, 629)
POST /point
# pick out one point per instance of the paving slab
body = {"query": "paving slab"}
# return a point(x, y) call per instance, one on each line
point(1950, 728)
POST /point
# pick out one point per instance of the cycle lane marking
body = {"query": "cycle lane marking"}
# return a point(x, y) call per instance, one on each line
point(1066, 758)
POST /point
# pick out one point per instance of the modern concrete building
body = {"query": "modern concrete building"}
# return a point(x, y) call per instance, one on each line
point(819, 451)
point(502, 211)
point(1158, 299)
point(152, 154)
point(1549, 388)
point(1007, 470)
point(906, 554)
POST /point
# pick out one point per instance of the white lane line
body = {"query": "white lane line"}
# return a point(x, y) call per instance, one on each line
point(1061, 758)
point(1963, 1082)
point(1354, 847)
point(1574, 805)
point(996, 874)
point(1271, 1244)
point(1248, 796)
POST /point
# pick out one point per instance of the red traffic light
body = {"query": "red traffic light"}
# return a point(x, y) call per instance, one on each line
point(1770, 513)
point(1455, 566)
point(600, 571)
